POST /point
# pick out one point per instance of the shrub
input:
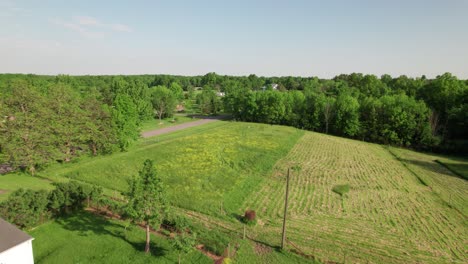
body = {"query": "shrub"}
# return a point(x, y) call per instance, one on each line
point(28, 208)
point(341, 189)
point(25, 208)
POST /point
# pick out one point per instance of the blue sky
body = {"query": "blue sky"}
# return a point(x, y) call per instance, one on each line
point(268, 38)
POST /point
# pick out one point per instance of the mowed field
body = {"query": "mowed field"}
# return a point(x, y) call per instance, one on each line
point(402, 206)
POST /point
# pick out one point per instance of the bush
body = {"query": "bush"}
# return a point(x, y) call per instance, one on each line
point(214, 241)
point(341, 189)
point(25, 208)
point(28, 208)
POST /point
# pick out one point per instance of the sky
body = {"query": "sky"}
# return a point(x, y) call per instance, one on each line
point(266, 38)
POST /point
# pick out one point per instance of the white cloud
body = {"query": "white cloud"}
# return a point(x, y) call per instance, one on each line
point(120, 27)
point(90, 27)
point(86, 20)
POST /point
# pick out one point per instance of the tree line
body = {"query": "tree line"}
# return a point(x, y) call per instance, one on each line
point(420, 113)
point(45, 120)
point(48, 119)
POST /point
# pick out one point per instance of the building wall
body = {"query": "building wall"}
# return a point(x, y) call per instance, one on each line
point(21, 253)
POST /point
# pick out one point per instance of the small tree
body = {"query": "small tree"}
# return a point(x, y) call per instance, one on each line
point(147, 199)
point(164, 101)
point(184, 242)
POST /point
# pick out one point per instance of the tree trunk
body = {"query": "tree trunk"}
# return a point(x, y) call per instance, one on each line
point(179, 258)
point(93, 147)
point(147, 247)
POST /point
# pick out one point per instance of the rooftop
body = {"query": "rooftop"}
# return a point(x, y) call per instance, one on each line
point(11, 236)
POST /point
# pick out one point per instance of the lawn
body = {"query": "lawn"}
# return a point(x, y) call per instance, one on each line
point(11, 182)
point(87, 238)
point(388, 215)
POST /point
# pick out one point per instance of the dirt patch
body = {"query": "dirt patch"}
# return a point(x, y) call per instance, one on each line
point(261, 249)
point(3, 191)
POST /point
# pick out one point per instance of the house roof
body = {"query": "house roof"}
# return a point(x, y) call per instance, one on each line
point(11, 236)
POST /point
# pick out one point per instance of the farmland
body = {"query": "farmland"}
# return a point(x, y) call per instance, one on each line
point(401, 207)
point(389, 215)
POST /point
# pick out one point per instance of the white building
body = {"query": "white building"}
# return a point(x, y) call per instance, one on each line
point(15, 245)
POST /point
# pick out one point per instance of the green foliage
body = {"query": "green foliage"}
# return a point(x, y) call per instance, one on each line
point(346, 117)
point(25, 208)
point(341, 189)
point(208, 101)
point(87, 238)
point(147, 199)
point(28, 208)
point(125, 118)
point(164, 101)
point(184, 242)
point(177, 90)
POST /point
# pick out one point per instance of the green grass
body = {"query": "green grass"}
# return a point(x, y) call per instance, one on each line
point(341, 189)
point(457, 165)
point(401, 205)
point(87, 238)
point(390, 216)
point(166, 122)
point(210, 169)
point(12, 182)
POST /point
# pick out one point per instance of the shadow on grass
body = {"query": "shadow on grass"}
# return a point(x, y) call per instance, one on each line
point(435, 167)
point(238, 217)
point(86, 223)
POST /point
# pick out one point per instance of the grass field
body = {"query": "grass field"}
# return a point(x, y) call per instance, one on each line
point(210, 168)
point(12, 182)
point(388, 216)
point(86, 238)
point(401, 206)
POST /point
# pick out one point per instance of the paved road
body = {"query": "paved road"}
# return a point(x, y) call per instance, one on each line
point(170, 129)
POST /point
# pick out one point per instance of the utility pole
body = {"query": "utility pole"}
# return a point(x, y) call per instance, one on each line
point(285, 211)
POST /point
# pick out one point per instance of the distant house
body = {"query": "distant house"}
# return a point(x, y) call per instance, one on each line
point(15, 245)
point(274, 87)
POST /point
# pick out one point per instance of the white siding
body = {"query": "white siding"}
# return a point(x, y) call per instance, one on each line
point(20, 254)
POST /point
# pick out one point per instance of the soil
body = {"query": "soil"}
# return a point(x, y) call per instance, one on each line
point(261, 249)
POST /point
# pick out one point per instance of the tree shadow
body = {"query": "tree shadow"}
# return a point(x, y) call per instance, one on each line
point(432, 166)
point(85, 223)
point(238, 217)
point(155, 250)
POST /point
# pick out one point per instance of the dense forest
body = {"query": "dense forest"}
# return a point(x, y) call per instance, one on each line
point(48, 119)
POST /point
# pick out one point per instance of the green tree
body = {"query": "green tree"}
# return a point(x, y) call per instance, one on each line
point(208, 101)
point(147, 199)
point(177, 90)
point(27, 136)
point(346, 121)
point(184, 242)
point(25, 208)
point(125, 118)
point(65, 120)
point(164, 101)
